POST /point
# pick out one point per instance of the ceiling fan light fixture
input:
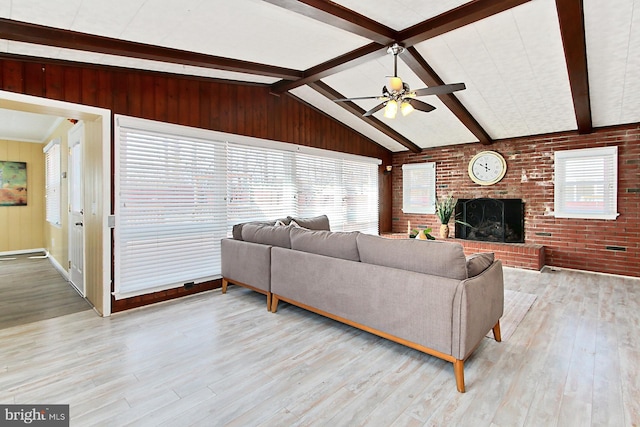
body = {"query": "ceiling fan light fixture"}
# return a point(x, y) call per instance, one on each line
point(395, 83)
point(391, 109)
point(406, 108)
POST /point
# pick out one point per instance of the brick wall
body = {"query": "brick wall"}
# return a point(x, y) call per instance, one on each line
point(594, 245)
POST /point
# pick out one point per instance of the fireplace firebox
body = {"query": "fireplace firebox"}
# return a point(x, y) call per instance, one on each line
point(491, 220)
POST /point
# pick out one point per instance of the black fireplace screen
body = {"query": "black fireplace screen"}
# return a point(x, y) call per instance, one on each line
point(491, 220)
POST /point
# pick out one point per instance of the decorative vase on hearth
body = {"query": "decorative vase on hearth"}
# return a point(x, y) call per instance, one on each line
point(444, 231)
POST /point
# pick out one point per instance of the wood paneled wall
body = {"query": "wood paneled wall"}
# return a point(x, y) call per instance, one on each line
point(17, 230)
point(244, 109)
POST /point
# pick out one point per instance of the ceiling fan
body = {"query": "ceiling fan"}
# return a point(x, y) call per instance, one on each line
point(400, 93)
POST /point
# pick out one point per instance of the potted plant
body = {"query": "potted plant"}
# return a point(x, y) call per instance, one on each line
point(445, 207)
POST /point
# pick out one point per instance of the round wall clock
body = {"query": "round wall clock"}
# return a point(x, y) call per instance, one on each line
point(487, 168)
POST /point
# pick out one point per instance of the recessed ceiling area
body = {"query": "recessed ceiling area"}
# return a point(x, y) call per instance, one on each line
point(510, 54)
point(27, 127)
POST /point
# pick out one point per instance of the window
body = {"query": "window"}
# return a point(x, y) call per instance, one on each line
point(52, 181)
point(179, 191)
point(259, 184)
point(170, 207)
point(419, 188)
point(586, 183)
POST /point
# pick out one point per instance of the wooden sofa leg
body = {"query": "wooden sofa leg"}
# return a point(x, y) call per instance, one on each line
point(274, 303)
point(225, 283)
point(458, 370)
point(496, 332)
point(269, 301)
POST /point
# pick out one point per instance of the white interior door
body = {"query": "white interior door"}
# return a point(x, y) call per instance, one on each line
point(76, 208)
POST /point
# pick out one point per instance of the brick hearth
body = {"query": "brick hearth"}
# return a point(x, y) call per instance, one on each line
point(520, 255)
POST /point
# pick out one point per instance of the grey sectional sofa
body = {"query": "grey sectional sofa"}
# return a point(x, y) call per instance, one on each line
point(423, 294)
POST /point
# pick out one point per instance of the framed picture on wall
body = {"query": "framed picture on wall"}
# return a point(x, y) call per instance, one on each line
point(13, 183)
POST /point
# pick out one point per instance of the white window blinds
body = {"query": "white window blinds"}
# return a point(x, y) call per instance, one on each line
point(360, 182)
point(586, 183)
point(419, 188)
point(320, 189)
point(259, 184)
point(345, 190)
point(180, 190)
point(170, 209)
point(52, 182)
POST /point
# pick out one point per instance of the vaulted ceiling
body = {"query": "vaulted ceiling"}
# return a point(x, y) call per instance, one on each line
point(530, 67)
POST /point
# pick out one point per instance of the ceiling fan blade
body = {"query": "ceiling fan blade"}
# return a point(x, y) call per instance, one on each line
point(359, 97)
point(374, 109)
point(440, 90)
point(422, 106)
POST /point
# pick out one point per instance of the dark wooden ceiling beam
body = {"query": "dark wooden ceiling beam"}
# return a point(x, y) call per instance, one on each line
point(49, 36)
point(335, 15)
point(455, 18)
point(571, 17)
point(419, 66)
point(353, 108)
point(359, 56)
point(340, 17)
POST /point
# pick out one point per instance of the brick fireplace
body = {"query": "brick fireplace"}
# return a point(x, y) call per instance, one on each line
point(491, 220)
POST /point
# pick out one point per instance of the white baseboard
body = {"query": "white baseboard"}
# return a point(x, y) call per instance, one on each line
point(554, 268)
point(52, 260)
point(23, 251)
point(58, 267)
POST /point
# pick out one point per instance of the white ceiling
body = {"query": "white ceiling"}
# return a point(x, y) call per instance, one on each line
point(512, 63)
point(26, 127)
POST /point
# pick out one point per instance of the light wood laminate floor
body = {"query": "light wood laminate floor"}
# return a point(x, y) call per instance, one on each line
point(213, 360)
point(31, 289)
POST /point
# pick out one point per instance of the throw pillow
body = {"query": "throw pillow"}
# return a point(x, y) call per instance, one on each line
point(477, 263)
point(294, 224)
point(316, 223)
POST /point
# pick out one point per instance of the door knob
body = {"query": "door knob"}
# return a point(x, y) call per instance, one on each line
point(79, 223)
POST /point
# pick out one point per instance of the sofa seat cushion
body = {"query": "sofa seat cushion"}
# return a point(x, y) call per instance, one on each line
point(273, 235)
point(440, 258)
point(328, 243)
point(477, 263)
point(315, 223)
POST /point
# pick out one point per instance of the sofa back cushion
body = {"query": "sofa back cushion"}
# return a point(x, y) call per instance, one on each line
point(327, 243)
point(445, 259)
point(274, 235)
point(237, 228)
point(316, 223)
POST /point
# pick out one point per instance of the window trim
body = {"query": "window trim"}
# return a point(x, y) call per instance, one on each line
point(610, 182)
point(409, 171)
point(53, 148)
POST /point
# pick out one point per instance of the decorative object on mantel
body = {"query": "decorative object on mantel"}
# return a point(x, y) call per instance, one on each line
point(445, 207)
point(421, 234)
